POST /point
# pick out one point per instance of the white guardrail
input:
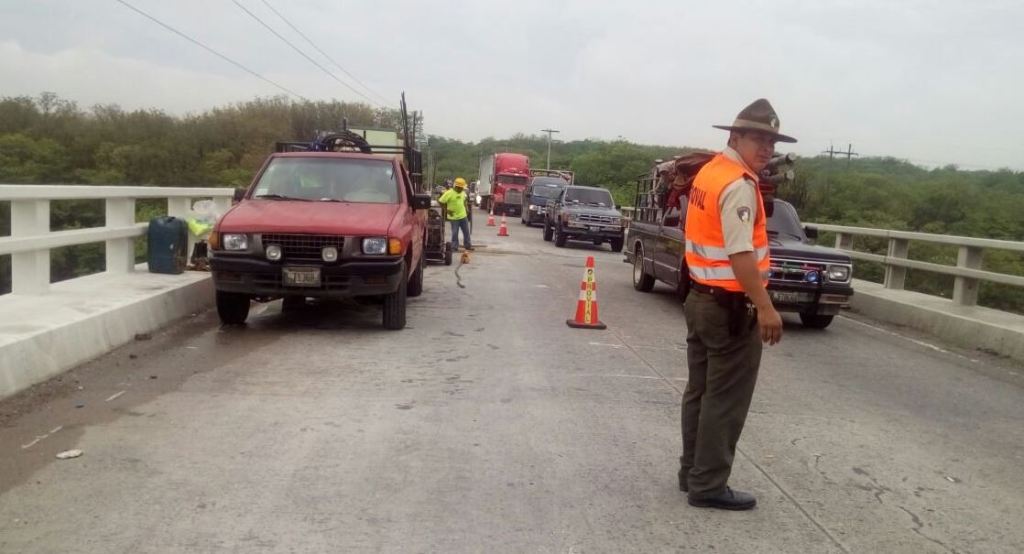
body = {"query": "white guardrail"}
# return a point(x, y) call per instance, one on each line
point(31, 239)
point(967, 271)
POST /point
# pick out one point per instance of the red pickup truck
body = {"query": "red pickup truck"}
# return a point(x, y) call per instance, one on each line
point(322, 224)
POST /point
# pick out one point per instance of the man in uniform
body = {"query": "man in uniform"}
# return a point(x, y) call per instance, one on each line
point(728, 312)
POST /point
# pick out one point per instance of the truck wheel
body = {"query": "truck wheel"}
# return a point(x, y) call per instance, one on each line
point(642, 281)
point(560, 237)
point(548, 231)
point(232, 307)
point(616, 245)
point(416, 282)
point(816, 321)
point(394, 307)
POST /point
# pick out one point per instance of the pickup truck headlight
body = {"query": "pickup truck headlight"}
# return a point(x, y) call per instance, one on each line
point(839, 273)
point(232, 241)
point(375, 245)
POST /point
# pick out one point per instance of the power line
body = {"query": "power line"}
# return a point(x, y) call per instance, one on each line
point(317, 48)
point(297, 49)
point(210, 50)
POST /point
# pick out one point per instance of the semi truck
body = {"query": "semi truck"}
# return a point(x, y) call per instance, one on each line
point(503, 180)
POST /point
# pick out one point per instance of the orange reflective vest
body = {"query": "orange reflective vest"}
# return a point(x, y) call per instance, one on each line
point(706, 257)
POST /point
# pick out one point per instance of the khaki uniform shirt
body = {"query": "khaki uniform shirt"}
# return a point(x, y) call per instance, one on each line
point(738, 207)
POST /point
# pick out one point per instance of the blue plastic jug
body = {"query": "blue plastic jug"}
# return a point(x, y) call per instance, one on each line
point(168, 245)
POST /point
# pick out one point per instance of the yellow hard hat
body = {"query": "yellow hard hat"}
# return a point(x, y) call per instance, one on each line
point(460, 182)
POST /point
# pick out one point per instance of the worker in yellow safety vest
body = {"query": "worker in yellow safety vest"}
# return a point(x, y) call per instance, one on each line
point(728, 312)
point(454, 201)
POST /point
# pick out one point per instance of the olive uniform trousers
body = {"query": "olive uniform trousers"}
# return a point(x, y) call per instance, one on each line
point(723, 369)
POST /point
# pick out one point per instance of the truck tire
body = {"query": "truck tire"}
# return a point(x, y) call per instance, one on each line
point(232, 307)
point(616, 245)
point(548, 231)
point(394, 307)
point(816, 321)
point(560, 238)
point(416, 281)
point(642, 281)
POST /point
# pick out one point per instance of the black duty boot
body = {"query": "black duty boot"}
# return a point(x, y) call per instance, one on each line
point(683, 485)
point(727, 500)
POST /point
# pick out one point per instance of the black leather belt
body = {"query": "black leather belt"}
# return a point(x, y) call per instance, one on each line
point(713, 291)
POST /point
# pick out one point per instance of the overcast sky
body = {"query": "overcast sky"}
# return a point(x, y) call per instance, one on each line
point(934, 82)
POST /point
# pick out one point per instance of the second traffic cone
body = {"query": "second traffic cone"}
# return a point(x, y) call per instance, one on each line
point(586, 306)
point(490, 219)
point(503, 230)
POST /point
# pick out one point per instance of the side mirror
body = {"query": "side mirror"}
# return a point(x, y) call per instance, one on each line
point(421, 201)
point(671, 221)
point(811, 232)
point(238, 196)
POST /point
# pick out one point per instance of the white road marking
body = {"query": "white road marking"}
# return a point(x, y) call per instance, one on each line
point(654, 377)
point(606, 344)
point(906, 338)
point(115, 395)
point(41, 437)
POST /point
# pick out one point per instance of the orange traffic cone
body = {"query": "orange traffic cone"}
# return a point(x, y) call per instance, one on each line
point(503, 230)
point(490, 219)
point(586, 307)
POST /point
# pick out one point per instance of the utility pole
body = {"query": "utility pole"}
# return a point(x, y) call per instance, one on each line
point(549, 132)
point(849, 153)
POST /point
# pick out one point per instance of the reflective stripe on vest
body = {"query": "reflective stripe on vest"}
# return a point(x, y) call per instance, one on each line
point(718, 254)
point(706, 256)
point(704, 274)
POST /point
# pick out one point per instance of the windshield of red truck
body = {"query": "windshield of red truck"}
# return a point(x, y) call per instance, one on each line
point(589, 196)
point(513, 179)
point(329, 180)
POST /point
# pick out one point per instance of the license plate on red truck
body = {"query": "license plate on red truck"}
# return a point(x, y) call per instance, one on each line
point(301, 276)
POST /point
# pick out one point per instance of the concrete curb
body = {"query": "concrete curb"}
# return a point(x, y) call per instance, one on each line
point(44, 335)
point(971, 327)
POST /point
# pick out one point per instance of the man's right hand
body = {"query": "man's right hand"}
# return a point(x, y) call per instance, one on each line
point(770, 324)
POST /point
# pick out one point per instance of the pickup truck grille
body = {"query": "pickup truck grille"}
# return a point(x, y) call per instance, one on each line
point(598, 219)
point(298, 248)
point(797, 271)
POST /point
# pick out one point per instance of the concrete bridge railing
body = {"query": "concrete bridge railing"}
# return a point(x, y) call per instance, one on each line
point(31, 238)
point(967, 272)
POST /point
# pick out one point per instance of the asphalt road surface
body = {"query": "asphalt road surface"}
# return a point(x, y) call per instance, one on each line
point(488, 425)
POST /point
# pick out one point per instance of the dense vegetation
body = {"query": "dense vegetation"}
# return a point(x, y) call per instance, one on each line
point(51, 140)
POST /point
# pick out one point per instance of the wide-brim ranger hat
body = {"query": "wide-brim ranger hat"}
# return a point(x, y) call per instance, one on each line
point(758, 116)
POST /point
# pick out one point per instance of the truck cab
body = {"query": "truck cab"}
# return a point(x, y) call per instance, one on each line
point(503, 180)
point(322, 224)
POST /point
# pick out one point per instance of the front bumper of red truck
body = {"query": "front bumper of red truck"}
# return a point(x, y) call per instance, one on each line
point(342, 279)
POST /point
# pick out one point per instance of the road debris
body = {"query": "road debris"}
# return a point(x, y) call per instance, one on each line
point(68, 454)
